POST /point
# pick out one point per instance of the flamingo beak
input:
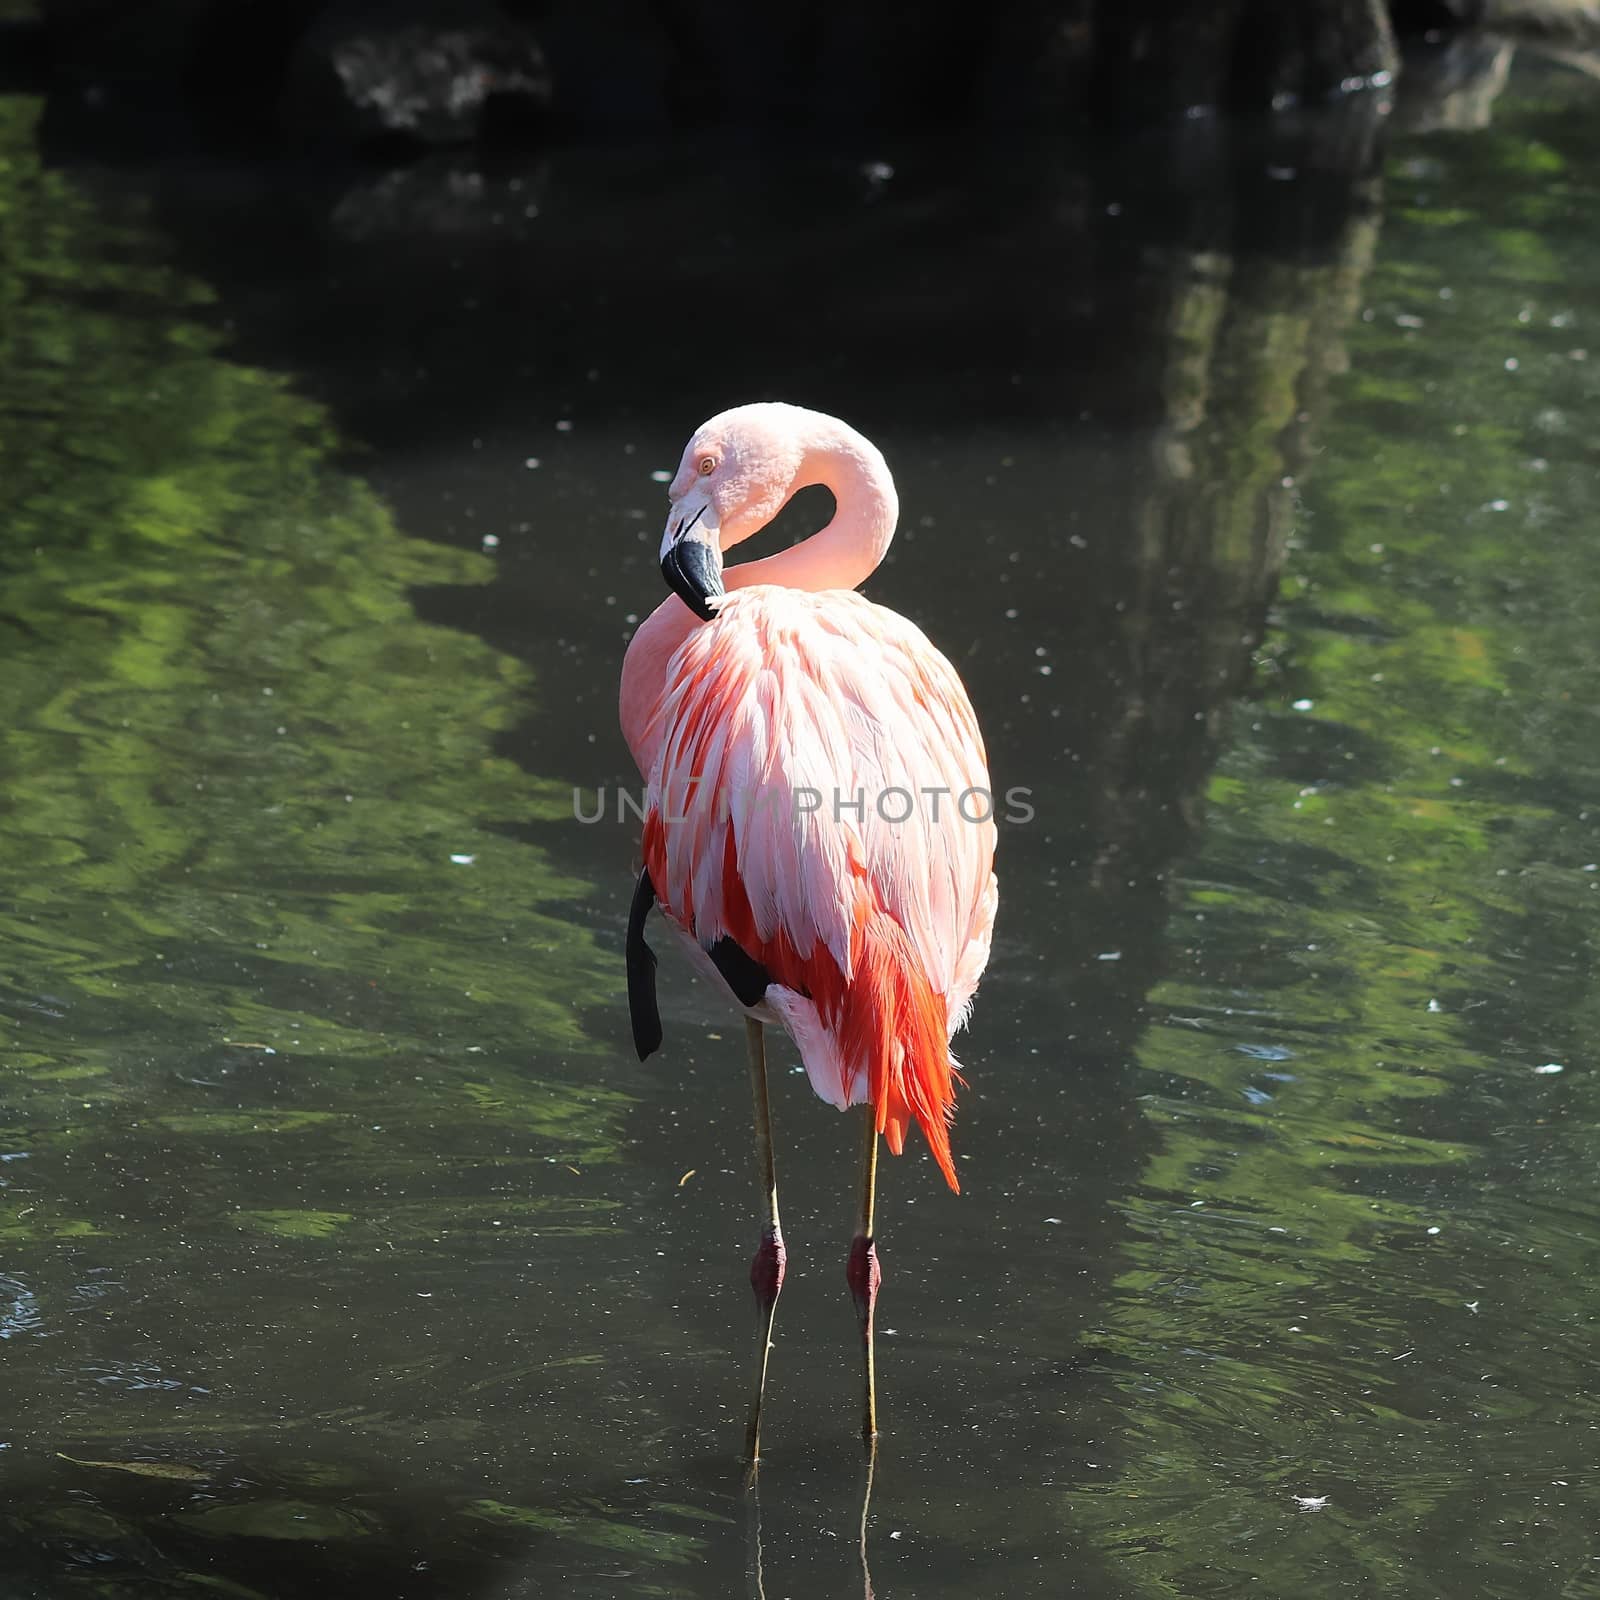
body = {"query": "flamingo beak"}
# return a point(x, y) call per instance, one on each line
point(691, 557)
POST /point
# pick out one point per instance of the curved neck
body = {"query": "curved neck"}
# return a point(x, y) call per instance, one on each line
point(846, 551)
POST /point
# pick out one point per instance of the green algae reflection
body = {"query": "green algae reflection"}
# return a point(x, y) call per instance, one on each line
point(1374, 1147)
point(277, 976)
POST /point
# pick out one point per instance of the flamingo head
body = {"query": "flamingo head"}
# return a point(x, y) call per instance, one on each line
point(735, 476)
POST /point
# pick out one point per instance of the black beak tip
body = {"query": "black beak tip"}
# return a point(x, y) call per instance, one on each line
point(694, 575)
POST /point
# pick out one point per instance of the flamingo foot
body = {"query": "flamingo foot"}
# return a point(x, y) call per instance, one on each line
point(863, 1274)
point(767, 1269)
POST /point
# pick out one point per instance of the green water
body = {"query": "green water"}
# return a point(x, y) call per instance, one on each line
point(346, 1248)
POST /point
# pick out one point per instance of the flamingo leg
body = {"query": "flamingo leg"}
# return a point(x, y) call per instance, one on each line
point(766, 1271)
point(864, 1274)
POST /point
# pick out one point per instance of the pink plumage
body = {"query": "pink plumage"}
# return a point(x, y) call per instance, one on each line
point(817, 791)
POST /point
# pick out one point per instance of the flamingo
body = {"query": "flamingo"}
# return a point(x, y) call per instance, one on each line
point(818, 824)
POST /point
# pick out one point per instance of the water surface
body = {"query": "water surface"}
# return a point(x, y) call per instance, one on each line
point(347, 1246)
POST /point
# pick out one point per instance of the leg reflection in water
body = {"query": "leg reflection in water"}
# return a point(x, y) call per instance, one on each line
point(757, 1586)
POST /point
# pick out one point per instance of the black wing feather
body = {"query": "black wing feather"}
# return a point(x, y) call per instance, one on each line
point(643, 1012)
point(740, 971)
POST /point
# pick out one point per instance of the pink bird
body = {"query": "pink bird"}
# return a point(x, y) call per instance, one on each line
point(818, 822)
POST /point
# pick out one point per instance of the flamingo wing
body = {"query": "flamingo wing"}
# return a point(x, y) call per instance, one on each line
point(819, 798)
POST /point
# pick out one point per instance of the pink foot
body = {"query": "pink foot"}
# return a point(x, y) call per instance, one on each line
point(766, 1271)
point(863, 1274)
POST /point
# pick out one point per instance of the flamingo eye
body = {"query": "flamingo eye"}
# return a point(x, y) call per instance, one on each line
point(708, 465)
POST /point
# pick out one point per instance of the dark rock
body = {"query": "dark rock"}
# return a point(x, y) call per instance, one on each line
point(416, 74)
point(837, 64)
point(1453, 84)
point(1572, 20)
point(1413, 18)
point(420, 73)
point(1576, 21)
point(1156, 59)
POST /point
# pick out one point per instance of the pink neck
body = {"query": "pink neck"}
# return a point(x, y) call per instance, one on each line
point(845, 552)
point(838, 556)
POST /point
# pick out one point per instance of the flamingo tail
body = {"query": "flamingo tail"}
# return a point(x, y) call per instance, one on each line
point(895, 1024)
point(887, 1019)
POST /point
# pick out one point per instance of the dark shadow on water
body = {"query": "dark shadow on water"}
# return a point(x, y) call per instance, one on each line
point(290, 1529)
